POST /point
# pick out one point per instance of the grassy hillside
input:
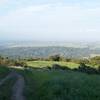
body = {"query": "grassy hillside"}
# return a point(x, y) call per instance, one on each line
point(53, 84)
point(61, 85)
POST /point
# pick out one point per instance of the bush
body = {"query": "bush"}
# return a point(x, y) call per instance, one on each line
point(20, 63)
point(56, 66)
point(48, 67)
point(95, 60)
point(55, 58)
point(87, 69)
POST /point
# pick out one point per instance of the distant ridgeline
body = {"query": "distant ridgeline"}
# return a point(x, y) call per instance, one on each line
point(27, 52)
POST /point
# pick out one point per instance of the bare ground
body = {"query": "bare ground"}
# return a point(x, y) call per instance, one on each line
point(17, 90)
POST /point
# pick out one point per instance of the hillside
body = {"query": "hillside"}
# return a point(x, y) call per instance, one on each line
point(42, 84)
point(28, 49)
point(28, 52)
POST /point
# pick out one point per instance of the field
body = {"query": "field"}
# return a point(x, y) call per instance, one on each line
point(61, 85)
point(41, 64)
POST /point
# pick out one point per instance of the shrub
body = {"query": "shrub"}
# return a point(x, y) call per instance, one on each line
point(87, 69)
point(55, 58)
point(56, 66)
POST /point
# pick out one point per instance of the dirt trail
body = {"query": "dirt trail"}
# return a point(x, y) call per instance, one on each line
point(6, 78)
point(17, 90)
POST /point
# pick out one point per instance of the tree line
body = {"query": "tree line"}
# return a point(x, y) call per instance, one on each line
point(90, 61)
point(95, 61)
point(5, 61)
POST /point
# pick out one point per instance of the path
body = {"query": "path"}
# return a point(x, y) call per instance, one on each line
point(17, 90)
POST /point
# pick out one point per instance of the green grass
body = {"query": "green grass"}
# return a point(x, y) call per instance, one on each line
point(61, 85)
point(3, 71)
point(6, 89)
point(42, 64)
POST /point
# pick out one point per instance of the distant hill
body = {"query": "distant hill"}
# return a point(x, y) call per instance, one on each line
point(43, 49)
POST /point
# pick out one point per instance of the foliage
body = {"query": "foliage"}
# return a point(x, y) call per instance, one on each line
point(55, 58)
point(95, 60)
point(20, 63)
point(3, 71)
point(87, 69)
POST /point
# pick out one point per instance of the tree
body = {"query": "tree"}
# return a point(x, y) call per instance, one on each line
point(95, 60)
point(55, 58)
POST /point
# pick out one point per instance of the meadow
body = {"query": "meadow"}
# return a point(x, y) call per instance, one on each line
point(61, 85)
point(43, 64)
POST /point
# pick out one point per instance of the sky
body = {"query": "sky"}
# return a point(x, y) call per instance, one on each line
point(50, 20)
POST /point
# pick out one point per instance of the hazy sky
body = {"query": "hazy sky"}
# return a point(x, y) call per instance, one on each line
point(50, 20)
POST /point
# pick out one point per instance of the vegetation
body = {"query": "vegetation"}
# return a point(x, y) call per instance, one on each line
point(95, 60)
point(54, 78)
point(41, 64)
point(3, 71)
point(61, 85)
point(5, 61)
point(6, 89)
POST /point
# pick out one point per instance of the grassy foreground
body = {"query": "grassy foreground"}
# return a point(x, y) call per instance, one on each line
point(61, 85)
point(6, 89)
point(3, 71)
